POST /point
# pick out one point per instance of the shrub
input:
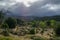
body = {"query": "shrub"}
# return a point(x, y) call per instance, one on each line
point(4, 26)
point(42, 24)
point(32, 31)
point(53, 23)
point(11, 22)
point(20, 22)
point(34, 23)
point(5, 33)
point(5, 29)
point(57, 31)
point(1, 14)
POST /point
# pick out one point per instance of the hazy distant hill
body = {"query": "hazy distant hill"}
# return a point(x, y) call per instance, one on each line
point(29, 18)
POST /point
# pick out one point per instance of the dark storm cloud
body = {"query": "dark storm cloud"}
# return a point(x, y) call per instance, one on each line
point(45, 8)
point(38, 8)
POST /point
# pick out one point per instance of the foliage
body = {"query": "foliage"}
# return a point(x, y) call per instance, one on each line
point(20, 22)
point(5, 33)
point(5, 38)
point(11, 22)
point(32, 31)
point(34, 23)
point(4, 26)
point(1, 14)
point(42, 24)
point(53, 23)
point(48, 23)
point(57, 30)
point(1, 17)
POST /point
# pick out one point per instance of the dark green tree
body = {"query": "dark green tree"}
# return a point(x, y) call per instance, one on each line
point(32, 31)
point(11, 22)
point(57, 30)
point(20, 22)
point(34, 25)
point(1, 14)
point(5, 28)
point(1, 17)
point(48, 23)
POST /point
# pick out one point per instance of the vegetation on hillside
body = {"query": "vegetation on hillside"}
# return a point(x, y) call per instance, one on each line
point(44, 28)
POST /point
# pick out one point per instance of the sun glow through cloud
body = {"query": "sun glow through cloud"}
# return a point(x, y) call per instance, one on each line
point(26, 2)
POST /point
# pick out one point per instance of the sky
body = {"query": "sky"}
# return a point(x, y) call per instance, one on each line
point(31, 7)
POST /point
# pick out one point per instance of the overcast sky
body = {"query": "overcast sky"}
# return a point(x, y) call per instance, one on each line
point(32, 7)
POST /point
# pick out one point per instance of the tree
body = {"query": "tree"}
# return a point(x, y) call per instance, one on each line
point(1, 16)
point(53, 23)
point(11, 22)
point(4, 26)
point(34, 25)
point(20, 22)
point(42, 24)
point(32, 31)
point(5, 31)
point(57, 30)
point(48, 23)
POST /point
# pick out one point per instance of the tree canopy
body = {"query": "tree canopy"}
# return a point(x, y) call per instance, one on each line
point(11, 22)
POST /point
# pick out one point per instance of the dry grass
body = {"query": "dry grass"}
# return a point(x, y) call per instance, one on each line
point(14, 37)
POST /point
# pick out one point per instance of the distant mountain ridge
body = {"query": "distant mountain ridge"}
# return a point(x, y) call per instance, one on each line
point(29, 18)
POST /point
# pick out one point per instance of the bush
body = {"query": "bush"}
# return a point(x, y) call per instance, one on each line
point(32, 31)
point(1, 14)
point(42, 24)
point(53, 23)
point(5, 30)
point(20, 22)
point(11, 22)
point(34, 24)
point(5, 33)
point(4, 26)
point(57, 31)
